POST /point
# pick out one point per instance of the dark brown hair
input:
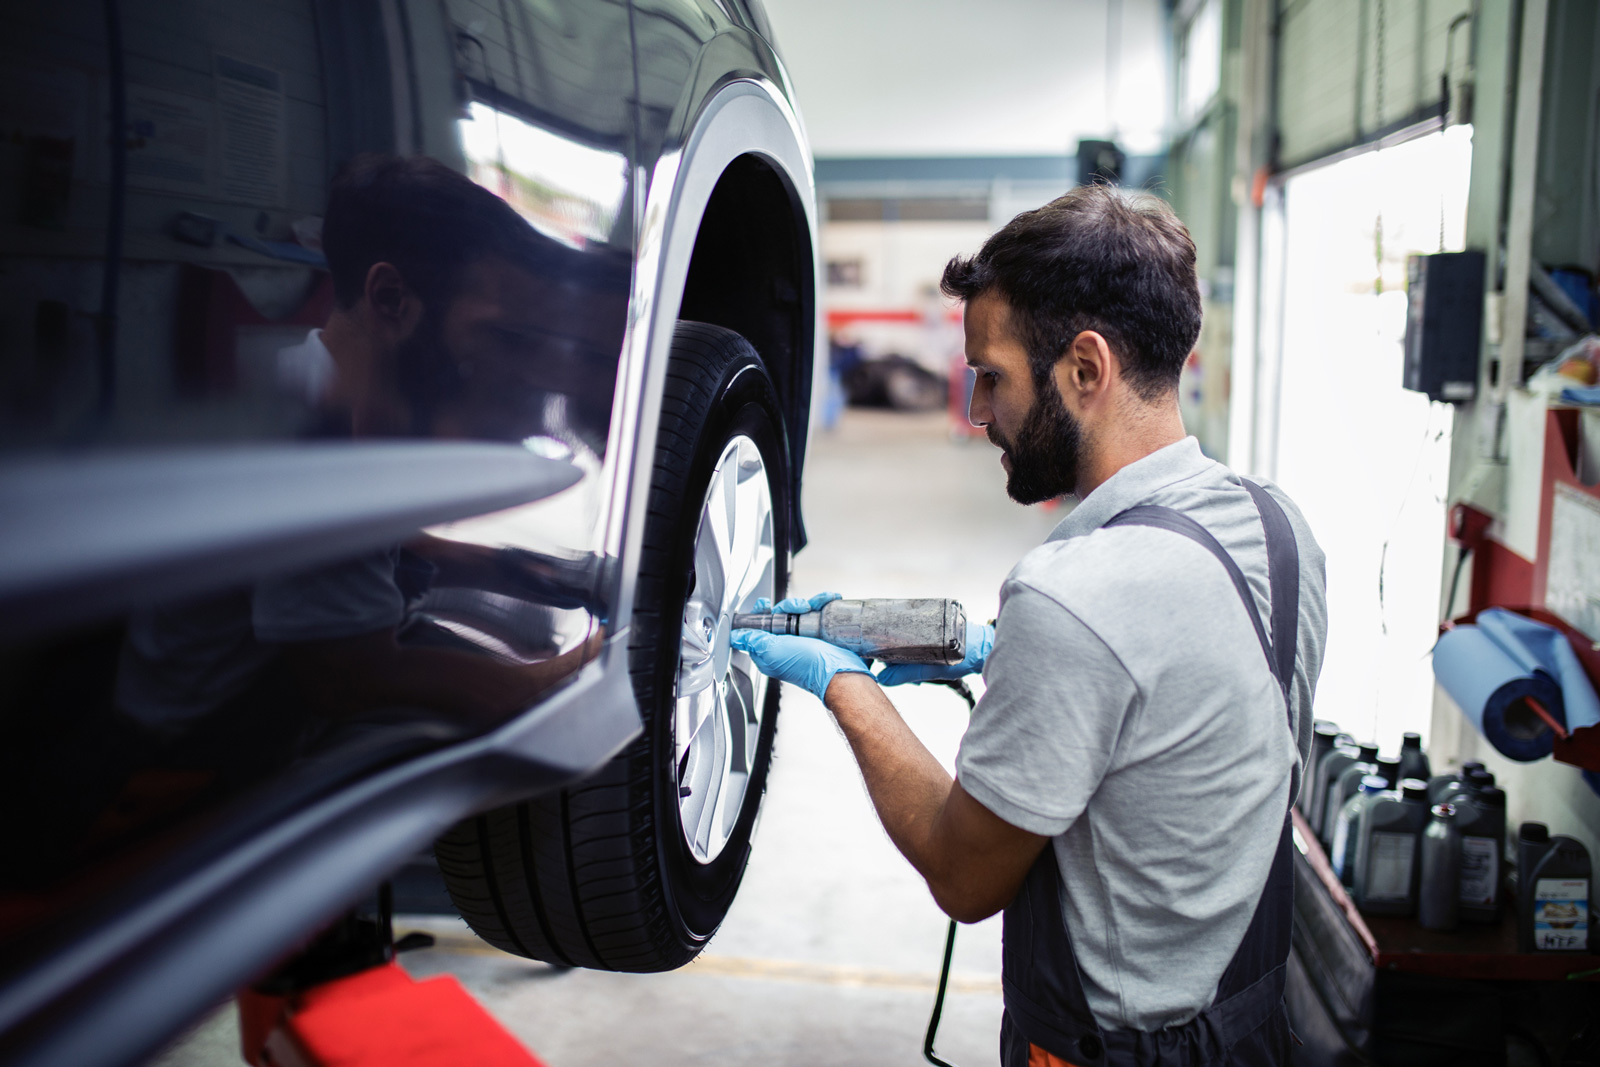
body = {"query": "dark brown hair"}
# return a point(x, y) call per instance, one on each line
point(1120, 264)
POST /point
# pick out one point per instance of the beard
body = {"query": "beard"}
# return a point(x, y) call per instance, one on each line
point(1044, 454)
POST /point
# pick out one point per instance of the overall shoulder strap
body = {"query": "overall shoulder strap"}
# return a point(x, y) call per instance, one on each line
point(1283, 572)
point(1283, 576)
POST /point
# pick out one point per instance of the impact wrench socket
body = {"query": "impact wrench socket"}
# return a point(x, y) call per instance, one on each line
point(894, 631)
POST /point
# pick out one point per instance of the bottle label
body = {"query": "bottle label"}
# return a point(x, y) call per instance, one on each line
point(1480, 870)
point(1390, 859)
point(1561, 914)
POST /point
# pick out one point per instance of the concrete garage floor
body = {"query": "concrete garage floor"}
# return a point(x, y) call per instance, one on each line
point(831, 952)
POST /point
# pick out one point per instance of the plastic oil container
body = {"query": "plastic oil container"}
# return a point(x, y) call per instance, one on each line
point(1553, 912)
point(1413, 761)
point(1346, 784)
point(1324, 735)
point(1347, 829)
point(1441, 787)
point(1389, 771)
point(1439, 892)
point(1327, 770)
point(1533, 841)
point(1481, 821)
point(1386, 868)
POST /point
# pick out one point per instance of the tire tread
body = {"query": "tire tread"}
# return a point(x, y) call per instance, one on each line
point(573, 878)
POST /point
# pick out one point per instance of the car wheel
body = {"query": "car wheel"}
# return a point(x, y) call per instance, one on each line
point(634, 869)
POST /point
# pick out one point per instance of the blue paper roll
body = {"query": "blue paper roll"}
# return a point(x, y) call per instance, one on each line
point(1489, 685)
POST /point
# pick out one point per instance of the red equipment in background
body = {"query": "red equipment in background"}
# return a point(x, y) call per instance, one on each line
point(1503, 578)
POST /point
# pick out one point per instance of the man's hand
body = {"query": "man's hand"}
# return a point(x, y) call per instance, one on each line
point(796, 605)
point(973, 860)
point(803, 661)
point(980, 639)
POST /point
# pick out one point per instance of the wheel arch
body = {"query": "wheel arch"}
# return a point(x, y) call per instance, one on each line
point(745, 151)
point(753, 271)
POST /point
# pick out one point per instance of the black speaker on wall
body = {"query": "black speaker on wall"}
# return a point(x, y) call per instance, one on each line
point(1100, 162)
point(1444, 324)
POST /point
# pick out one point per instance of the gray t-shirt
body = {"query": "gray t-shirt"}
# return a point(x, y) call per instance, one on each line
point(1131, 715)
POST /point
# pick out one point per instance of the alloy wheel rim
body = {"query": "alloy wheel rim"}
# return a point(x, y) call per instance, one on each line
point(719, 697)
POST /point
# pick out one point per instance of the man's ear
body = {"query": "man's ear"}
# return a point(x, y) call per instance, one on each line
point(1085, 370)
point(393, 302)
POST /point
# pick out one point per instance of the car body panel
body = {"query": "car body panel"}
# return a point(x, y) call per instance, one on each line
point(130, 942)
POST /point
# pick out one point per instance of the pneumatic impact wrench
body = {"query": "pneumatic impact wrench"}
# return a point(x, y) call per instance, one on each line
point(894, 631)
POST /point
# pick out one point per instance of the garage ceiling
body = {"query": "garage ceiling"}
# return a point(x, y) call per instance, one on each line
point(954, 77)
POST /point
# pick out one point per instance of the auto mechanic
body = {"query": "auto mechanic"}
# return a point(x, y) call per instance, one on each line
point(1123, 787)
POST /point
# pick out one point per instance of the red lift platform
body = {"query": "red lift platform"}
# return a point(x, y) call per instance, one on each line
point(343, 1001)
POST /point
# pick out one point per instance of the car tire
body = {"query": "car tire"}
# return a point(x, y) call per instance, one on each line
point(631, 870)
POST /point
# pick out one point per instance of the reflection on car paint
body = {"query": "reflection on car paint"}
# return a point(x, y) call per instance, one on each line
point(564, 189)
point(167, 738)
point(486, 309)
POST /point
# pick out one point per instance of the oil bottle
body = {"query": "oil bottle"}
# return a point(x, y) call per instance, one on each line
point(1346, 784)
point(1347, 829)
point(1337, 759)
point(1389, 770)
point(1439, 894)
point(1481, 819)
point(1413, 761)
point(1324, 736)
point(1441, 787)
point(1391, 829)
point(1555, 878)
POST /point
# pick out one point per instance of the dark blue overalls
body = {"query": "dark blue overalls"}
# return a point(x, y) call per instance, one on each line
point(1046, 1011)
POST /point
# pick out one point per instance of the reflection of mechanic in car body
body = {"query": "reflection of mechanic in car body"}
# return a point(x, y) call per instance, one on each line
point(1122, 791)
point(443, 295)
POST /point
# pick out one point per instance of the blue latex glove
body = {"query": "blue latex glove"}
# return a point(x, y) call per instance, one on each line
point(796, 605)
point(803, 661)
point(980, 639)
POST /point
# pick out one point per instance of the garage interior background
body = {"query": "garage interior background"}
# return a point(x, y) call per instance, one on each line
point(1310, 148)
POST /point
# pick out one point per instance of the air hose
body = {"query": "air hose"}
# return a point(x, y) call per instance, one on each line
point(928, 1054)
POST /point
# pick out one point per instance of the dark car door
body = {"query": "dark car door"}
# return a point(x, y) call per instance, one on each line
point(310, 320)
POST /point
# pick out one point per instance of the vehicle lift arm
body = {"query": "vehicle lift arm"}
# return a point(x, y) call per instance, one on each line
point(343, 1001)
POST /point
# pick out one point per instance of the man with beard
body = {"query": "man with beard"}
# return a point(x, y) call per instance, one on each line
point(443, 297)
point(448, 307)
point(1122, 791)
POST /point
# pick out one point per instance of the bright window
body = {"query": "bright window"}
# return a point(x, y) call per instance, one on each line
point(1200, 61)
point(1366, 460)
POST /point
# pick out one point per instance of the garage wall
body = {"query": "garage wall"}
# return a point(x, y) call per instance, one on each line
point(1351, 70)
point(1348, 73)
point(1203, 184)
point(1565, 205)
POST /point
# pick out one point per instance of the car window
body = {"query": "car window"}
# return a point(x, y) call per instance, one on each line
point(302, 304)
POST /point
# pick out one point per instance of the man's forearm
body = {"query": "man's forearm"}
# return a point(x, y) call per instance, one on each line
point(908, 786)
point(972, 860)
